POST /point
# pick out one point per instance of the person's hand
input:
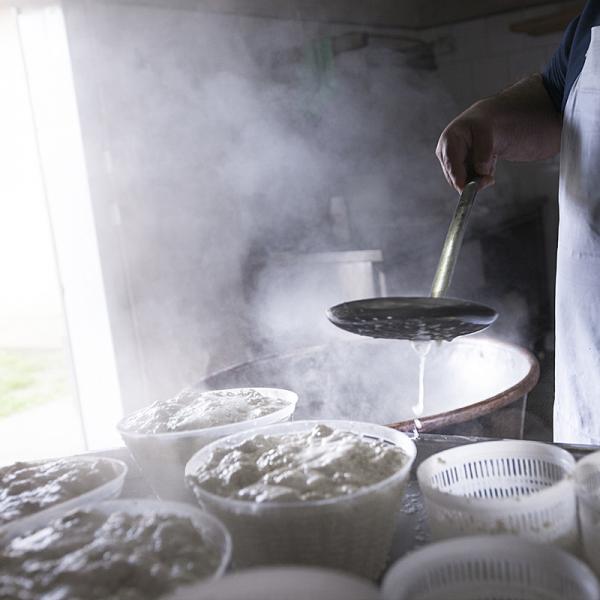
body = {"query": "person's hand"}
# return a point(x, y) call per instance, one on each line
point(466, 149)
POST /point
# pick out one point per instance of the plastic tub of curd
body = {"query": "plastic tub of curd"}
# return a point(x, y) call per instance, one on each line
point(119, 549)
point(43, 488)
point(164, 436)
point(322, 493)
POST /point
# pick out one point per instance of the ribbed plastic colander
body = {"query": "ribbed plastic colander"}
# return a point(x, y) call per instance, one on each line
point(519, 487)
point(490, 568)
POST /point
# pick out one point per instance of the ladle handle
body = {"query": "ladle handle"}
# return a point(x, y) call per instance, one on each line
point(454, 239)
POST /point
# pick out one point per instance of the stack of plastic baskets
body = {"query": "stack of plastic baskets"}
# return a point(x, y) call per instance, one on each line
point(518, 487)
point(490, 568)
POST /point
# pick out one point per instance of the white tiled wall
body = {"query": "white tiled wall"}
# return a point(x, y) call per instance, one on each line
point(483, 56)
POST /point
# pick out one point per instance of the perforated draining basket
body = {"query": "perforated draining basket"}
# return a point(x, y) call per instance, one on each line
point(490, 568)
point(587, 481)
point(520, 487)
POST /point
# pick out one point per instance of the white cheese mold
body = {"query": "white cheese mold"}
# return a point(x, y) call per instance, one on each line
point(519, 487)
point(487, 568)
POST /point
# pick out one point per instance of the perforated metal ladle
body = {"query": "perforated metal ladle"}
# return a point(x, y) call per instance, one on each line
point(429, 318)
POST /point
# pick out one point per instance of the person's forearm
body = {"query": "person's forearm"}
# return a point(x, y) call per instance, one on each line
point(525, 122)
point(519, 123)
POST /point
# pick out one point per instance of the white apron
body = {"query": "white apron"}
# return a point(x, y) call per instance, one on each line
point(577, 403)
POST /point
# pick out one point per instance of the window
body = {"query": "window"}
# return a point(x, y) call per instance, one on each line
point(59, 390)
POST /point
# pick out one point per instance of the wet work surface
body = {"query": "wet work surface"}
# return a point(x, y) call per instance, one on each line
point(412, 530)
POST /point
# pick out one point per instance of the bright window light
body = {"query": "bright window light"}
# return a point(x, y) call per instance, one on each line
point(45, 190)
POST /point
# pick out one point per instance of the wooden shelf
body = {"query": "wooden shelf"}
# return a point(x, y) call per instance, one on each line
point(403, 14)
point(553, 23)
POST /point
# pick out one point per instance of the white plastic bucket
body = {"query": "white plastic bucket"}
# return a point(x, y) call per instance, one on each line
point(212, 530)
point(162, 456)
point(106, 491)
point(285, 583)
point(352, 533)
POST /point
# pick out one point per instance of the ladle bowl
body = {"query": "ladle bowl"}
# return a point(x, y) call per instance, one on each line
point(412, 318)
point(435, 317)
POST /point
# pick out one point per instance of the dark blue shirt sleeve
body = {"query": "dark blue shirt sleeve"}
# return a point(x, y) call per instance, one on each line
point(555, 73)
